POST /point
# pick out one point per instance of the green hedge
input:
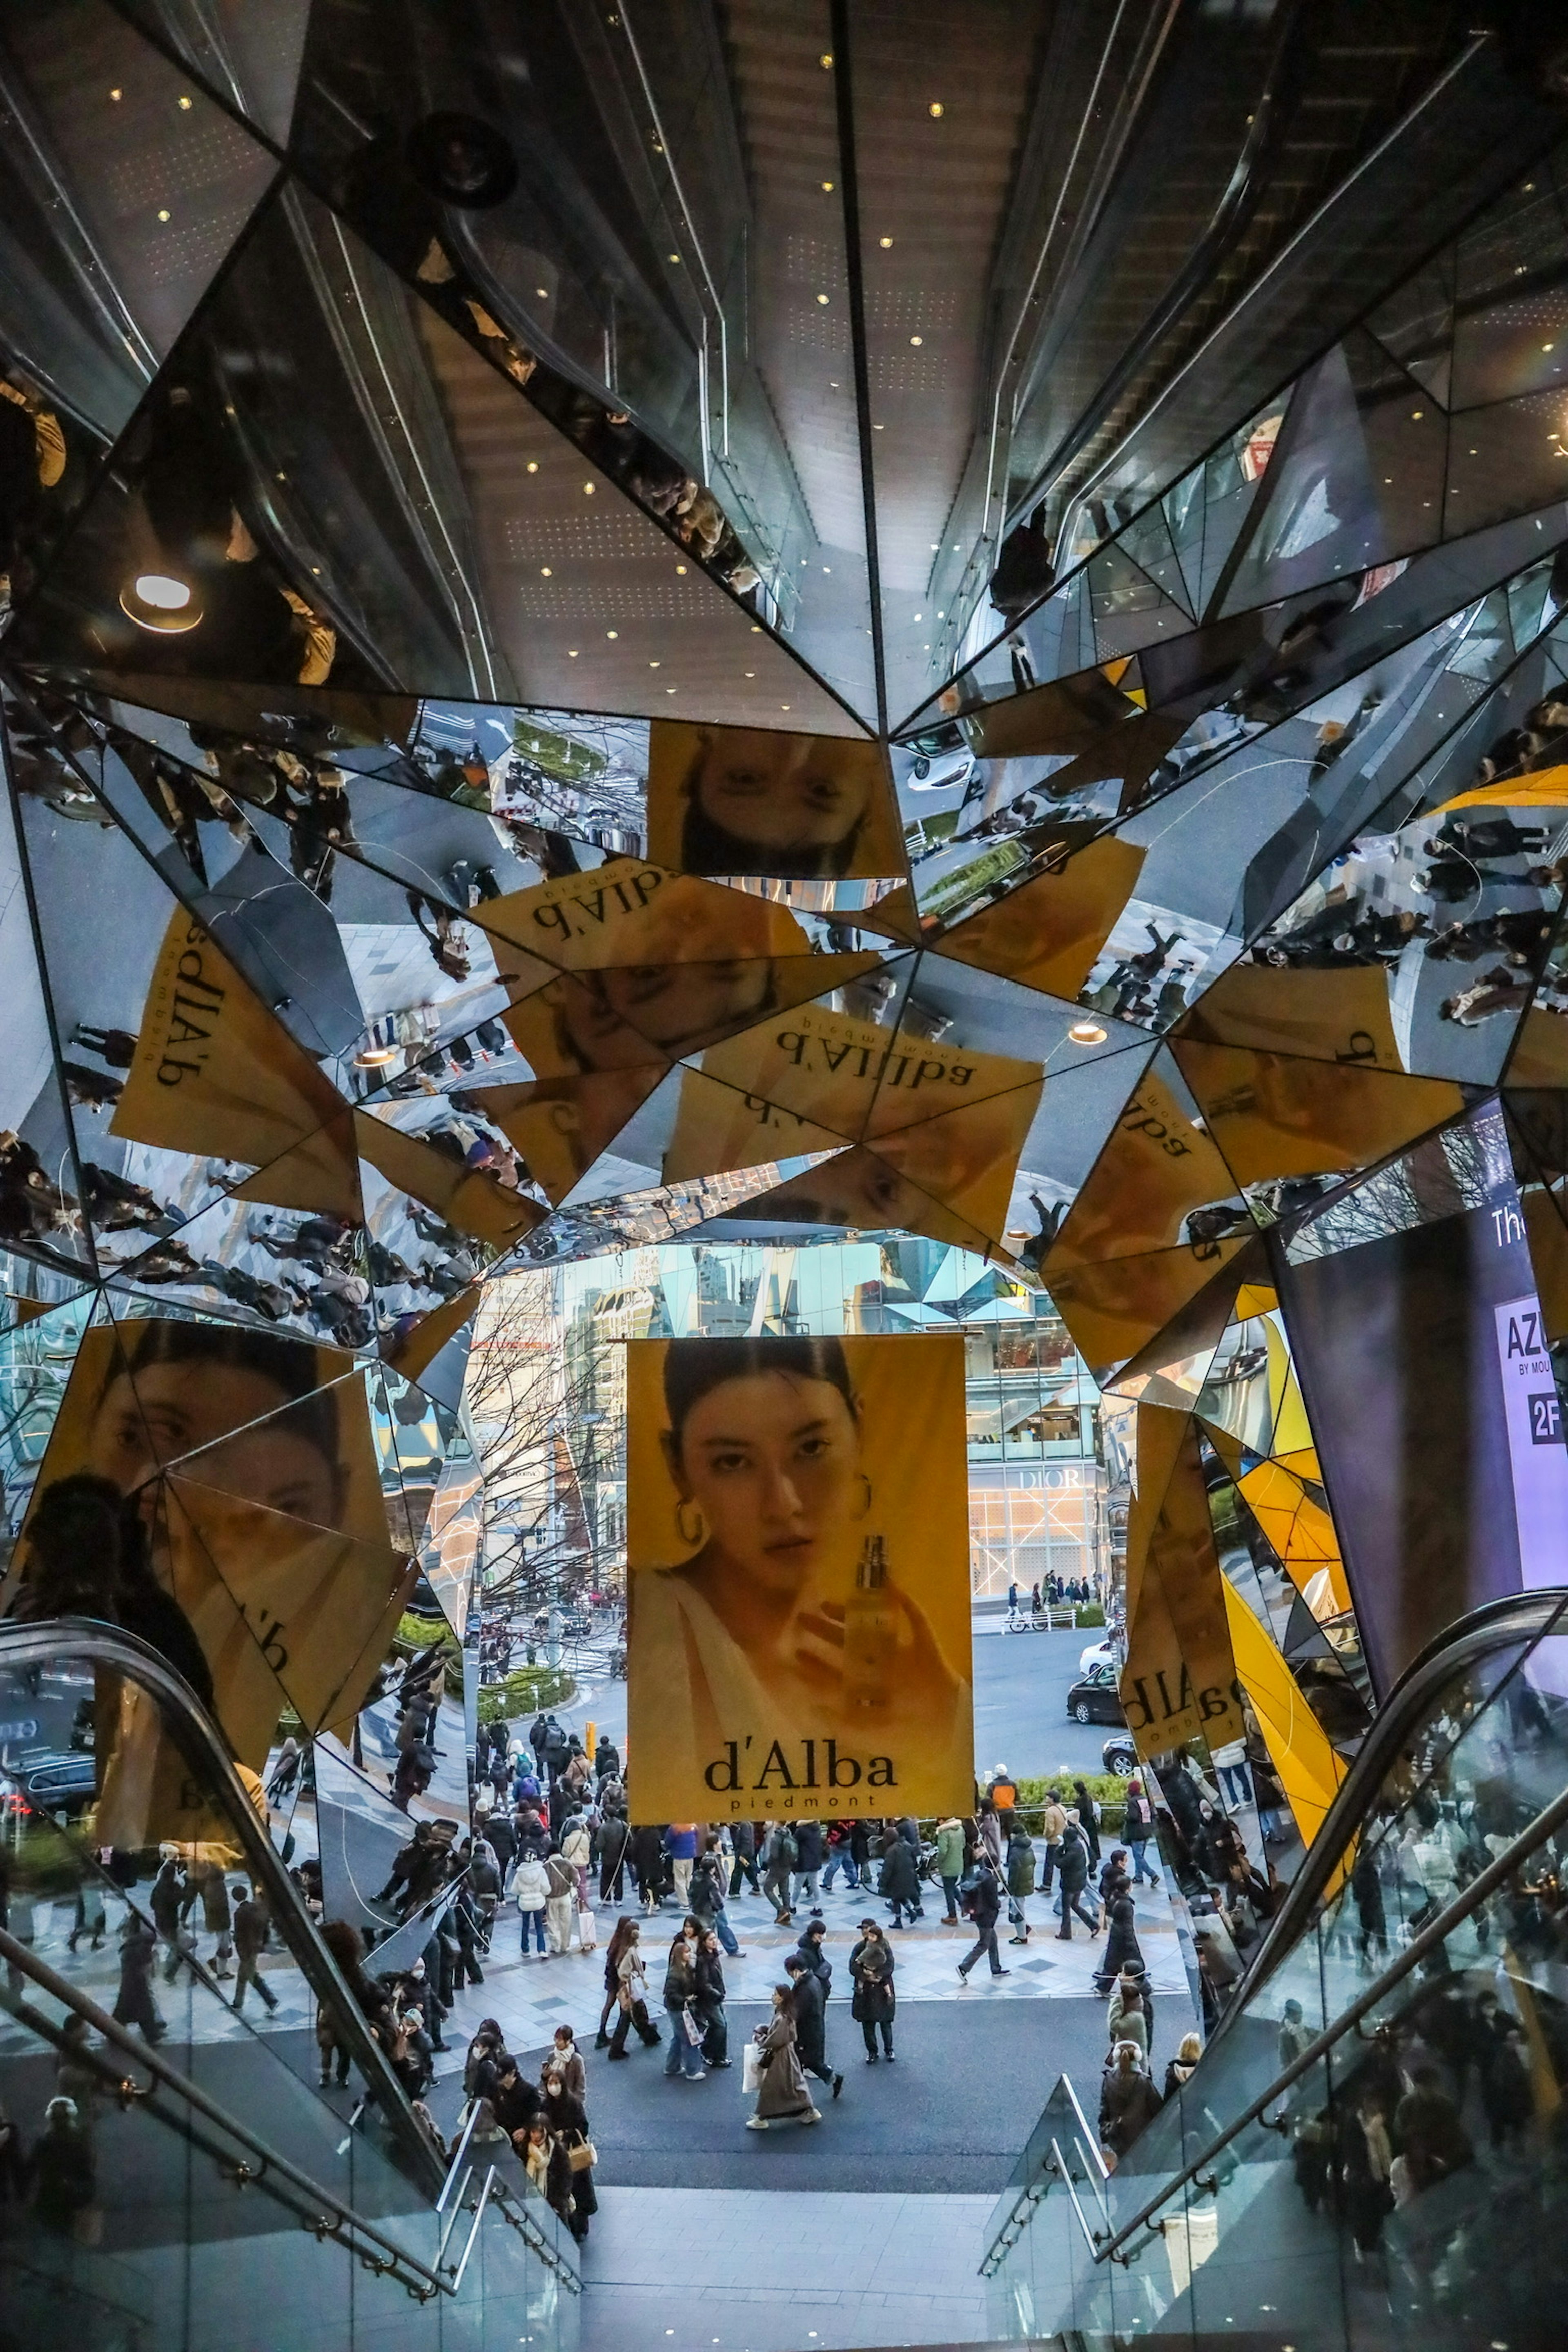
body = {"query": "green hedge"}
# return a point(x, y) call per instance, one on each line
point(525, 1691)
point(416, 1634)
point(1089, 1612)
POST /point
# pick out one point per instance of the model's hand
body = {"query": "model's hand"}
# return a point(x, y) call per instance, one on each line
point(817, 1648)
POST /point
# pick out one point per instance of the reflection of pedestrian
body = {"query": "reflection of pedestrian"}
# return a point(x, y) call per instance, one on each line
point(63, 2172)
point(251, 1927)
point(135, 2004)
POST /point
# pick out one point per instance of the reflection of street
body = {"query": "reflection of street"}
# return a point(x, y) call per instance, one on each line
point(1021, 1682)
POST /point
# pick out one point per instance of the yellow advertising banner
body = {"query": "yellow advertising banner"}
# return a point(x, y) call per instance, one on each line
point(217, 1075)
point(1179, 1682)
point(1048, 932)
point(253, 1543)
point(745, 800)
point(949, 1122)
point(797, 1548)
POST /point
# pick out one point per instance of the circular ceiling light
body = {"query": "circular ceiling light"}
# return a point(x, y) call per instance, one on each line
point(1087, 1032)
point(374, 1057)
point(462, 161)
point(161, 602)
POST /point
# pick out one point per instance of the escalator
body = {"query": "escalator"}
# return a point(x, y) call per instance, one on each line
point(1372, 2151)
point(173, 2173)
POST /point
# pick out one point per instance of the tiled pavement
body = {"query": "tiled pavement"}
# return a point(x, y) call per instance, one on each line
point(529, 1997)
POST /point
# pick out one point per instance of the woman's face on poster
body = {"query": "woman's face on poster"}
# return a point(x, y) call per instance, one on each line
point(205, 1409)
point(772, 1461)
point(679, 1006)
point(782, 793)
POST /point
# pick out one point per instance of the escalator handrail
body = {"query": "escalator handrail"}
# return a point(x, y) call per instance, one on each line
point(85, 1641)
point(1496, 1625)
point(275, 2173)
point(1484, 1885)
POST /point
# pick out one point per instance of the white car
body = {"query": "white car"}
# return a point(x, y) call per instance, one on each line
point(1098, 1653)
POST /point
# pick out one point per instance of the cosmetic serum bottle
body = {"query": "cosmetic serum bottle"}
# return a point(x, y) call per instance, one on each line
point(870, 1632)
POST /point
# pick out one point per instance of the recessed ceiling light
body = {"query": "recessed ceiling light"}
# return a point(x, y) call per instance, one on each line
point(588, 489)
point(653, 664)
point(572, 654)
point(826, 60)
point(822, 297)
point(751, 673)
point(612, 633)
point(544, 571)
point(541, 294)
point(534, 464)
point(885, 242)
point(183, 104)
point(783, 706)
point(117, 95)
point(681, 569)
point(1087, 1032)
point(162, 216)
point(935, 108)
point(917, 341)
point(828, 187)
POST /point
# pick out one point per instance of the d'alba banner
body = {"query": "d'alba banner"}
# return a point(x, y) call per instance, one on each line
point(797, 1548)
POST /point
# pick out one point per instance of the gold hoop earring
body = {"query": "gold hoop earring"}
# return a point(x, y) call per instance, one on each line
point(865, 1510)
point(682, 1530)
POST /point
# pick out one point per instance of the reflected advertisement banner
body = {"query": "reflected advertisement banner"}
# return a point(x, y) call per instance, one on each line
point(214, 1490)
point(797, 1548)
point(1423, 1361)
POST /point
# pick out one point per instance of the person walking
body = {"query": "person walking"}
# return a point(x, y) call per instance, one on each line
point(808, 2007)
point(984, 1905)
point(780, 1856)
point(647, 1863)
point(808, 1861)
point(135, 2004)
point(577, 1853)
point(875, 2002)
point(839, 1857)
point(812, 1935)
point(1072, 1861)
point(681, 1843)
point(684, 2056)
point(710, 2001)
point(1088, 1821)
point(1129, 2012)
point(251, 1927)
point(782, 2097)
point(531, 1892)
point(1128, 2099)
point(707, 1896)
point(559, 1902)
point(1179, 2072)
point(1020, 1878)
point(619, 1937)
point(1053, 1822)
point(631, 1994)
point(743, 1851)
point(897, 1886)
point(567, 2118)
point(950, 1864)
point(165, 1900)
point(614, 1839)
point(1138, 1829)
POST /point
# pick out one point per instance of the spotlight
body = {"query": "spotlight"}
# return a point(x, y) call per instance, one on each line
point(1087, 1032)
point(162, 601)
point(461, 161)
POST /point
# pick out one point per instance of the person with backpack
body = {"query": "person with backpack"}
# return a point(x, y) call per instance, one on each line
point(1020, 1878)
point(1072, 1861)
point(983, 1901)
point(781, 1856)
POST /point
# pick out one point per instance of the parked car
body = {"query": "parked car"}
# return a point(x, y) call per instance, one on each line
point(1120, 1755)
point(1095, 1699)
point(1098, 1653)
point(51, 1780)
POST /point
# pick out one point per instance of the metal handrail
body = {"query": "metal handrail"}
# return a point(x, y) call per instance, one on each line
point(1497, 1625)
point(1107, 2248)
point(323, 2210)
point(85, 1640)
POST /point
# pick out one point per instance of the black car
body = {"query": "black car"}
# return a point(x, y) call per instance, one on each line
point(1120, 1755)
point(1095, 1699)
point(51, 1780)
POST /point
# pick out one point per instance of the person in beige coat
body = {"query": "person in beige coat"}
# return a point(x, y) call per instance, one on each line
point(782, 2097)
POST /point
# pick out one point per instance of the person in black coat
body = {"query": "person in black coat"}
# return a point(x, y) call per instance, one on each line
point(1122, 1945)
point(984, 1905)
point(808, 2001)
point(136, 2005)
point(614, 1840)
point(809, 1850)
point(648, 1863)
point(1088, 1821)
point(874, 2002)
point(812, 1937)
point(743, 1845)
point(897, 1886)
point(568, 2120)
